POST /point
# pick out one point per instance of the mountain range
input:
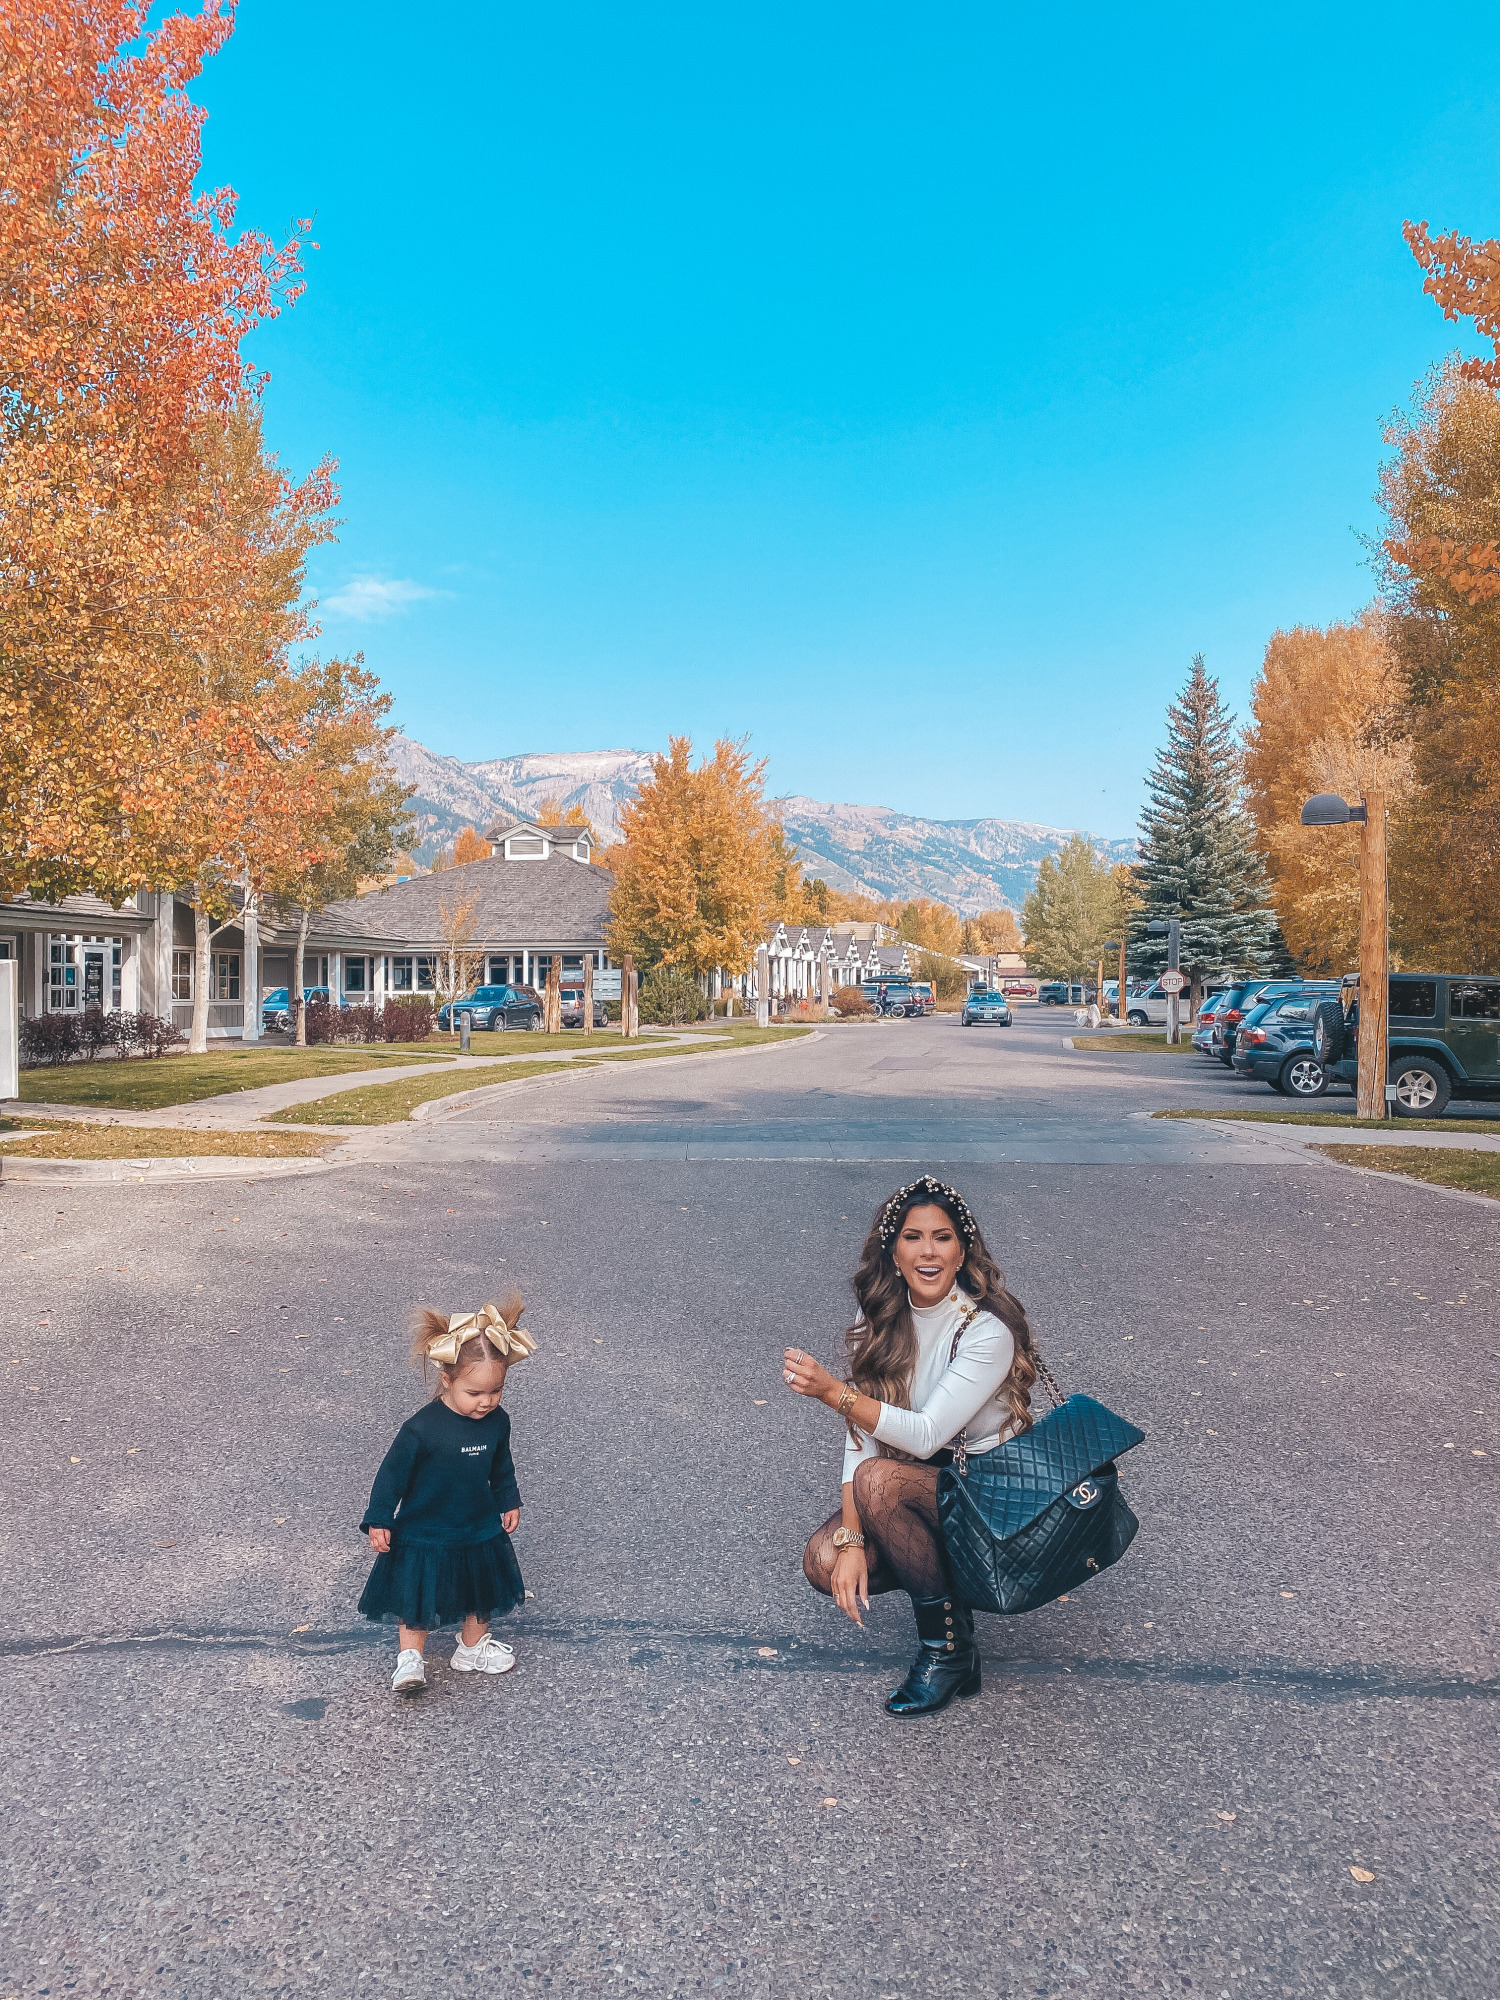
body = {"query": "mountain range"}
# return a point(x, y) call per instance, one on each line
point(970, 864)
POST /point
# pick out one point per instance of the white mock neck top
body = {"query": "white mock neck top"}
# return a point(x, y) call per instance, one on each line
point(945, 1400)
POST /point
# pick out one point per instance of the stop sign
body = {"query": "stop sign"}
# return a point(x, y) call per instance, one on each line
point(1173, 982)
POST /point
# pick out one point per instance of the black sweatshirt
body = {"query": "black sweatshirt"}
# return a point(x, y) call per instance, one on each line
point(451, 1476)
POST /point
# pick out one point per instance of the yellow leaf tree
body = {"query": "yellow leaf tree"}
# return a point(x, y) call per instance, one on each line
point(695, 871)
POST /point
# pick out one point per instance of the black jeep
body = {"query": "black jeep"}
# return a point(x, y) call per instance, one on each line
point(1444, 1040)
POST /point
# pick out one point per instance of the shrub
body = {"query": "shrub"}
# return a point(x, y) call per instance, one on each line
point(408, 1020)
point(50, 1038)
point(852, 1003)
point(670, 996)
point(361, 1024)
point(322, 1022)
point(147, 1034)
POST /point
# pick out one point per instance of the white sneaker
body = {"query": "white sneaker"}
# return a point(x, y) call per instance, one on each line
point(490, 1656)
point(410, 1676)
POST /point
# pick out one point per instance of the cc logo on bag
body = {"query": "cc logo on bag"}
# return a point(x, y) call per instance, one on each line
point(1085, 1493)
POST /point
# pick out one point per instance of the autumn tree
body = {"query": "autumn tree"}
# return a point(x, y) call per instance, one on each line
point(551, 812)
point(992, 932)
point(471, 846)
point(695, 871)
point(123, 300)
point(1070, 911)
point(1441, 496)
point(460, 963)
point(1198, 857)
point(1320, 707)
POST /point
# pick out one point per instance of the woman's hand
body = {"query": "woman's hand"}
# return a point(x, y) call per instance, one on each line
point(808, 1377)
point(851, 1583)
point(511, 1520)
point(380, 1540)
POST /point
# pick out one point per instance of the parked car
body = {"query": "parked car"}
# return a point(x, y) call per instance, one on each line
point(1240, 999)
point(1274, 1045)
point(1443, 1041)
point(984, 1008)
point(572, 1009)
point(1019, 989)
point(1058, 993)
point(1203, 1029)
point(494, 1007)
point(1146, 1007)
point(926, 999)
point(276, 1008)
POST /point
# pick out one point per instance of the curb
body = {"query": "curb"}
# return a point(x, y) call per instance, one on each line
point(157, 1171)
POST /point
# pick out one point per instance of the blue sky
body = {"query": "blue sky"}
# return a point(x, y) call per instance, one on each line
point(914, 390)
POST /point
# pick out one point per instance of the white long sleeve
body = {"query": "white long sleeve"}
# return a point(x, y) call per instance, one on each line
point(967, 1395)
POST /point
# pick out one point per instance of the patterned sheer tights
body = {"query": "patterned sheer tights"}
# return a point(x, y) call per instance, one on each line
point(897, 1505)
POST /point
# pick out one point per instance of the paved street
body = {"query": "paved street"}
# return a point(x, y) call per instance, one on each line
point(688, 1785)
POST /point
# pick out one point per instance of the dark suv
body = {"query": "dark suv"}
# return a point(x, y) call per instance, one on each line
point(1274, 1042)
point(494, 1007)
point(1238, 1001)
point(1443, 1040)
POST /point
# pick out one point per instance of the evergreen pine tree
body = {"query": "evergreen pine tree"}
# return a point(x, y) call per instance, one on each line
point(1198, 859)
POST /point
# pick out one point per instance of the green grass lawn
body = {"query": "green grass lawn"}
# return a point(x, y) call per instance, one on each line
point(1289, 1117)
point(388, 1103)
point(149, 1083)
point(1130, 1042)
point(1445, 1166)
point(50, 1139)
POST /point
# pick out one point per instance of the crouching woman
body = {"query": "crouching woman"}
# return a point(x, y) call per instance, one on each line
point(939, 1348)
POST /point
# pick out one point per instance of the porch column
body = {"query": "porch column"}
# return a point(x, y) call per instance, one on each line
point(379, 981)
point(250, 972)
point(130, 973)
point(335, 976)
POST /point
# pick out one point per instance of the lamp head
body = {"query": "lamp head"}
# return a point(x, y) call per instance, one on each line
point(1328, 809)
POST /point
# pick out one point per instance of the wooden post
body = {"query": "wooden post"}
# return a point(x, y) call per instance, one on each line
point(1120, 1004)
point(588, 993)
point(627, 997)
point(552, 1007)
point(1374, 962)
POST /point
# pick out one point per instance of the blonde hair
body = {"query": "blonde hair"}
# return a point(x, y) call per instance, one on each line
point(428, 1325)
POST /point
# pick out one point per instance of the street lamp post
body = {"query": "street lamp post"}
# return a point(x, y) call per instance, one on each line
point(1328, 809)
point(1173, 929)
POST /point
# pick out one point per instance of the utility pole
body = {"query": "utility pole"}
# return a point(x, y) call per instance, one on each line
point(1173, 978)
point(1374, 961)
point(1120, 1007)
point(1328, 809)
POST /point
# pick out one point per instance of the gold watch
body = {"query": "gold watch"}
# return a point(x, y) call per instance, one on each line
point(848, 1538)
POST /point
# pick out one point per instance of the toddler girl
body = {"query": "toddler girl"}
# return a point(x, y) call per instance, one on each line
point(445, 1502)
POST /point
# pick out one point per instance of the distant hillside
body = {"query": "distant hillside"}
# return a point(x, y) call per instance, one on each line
point(972, 864)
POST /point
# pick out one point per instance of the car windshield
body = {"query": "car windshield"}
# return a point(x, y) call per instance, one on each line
point(1255, 1016)
point(1294, 1010)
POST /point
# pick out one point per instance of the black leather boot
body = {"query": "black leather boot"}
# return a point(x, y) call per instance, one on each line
point(948, 1663)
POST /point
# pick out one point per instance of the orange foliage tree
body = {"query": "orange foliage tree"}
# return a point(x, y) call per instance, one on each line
point(1320, 706)
point(695, 871)
point(123, 300)
point(471, 846)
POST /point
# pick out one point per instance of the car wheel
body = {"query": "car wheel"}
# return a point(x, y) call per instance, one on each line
point(1303, 1076)
point(1135, 1019)
point(1422, 1089)
point(534, 1022)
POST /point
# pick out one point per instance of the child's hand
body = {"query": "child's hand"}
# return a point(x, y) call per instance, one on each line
point(511, 1521)
point(380, 1540)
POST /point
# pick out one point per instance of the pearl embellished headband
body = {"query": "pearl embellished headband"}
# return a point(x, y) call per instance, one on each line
point(891, 1213)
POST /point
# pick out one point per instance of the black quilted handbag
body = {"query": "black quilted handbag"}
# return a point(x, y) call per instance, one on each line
point(1041, 1513)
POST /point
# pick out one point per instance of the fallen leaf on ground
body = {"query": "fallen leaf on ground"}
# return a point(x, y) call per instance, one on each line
point(1226, 1817)
point(279, 1520)
point(830, 1802)
point(166, 1545)
point(1361, 1874)
point(766, 1652)
point(794, 1760)
point(301, 1628)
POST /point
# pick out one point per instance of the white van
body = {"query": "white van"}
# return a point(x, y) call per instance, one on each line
point(1149, 1009)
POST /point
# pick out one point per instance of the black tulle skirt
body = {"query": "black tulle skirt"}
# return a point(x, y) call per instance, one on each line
point(424, 1585)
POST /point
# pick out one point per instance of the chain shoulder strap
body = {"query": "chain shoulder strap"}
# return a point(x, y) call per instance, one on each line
point(961, 1442)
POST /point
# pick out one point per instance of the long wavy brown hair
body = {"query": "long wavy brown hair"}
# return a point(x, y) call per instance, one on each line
point(882, 1343)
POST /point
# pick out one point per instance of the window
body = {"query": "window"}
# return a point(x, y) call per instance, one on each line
point(356, 974)
point(401, 971)
point(499, 971)
point(426, 975)
point(525, 847)
point(62, 974)
point(182, 975)
point(572, 971)
point(1294, 1010)
point(224, 975)
point(1414, 999)
point(1470, 1001)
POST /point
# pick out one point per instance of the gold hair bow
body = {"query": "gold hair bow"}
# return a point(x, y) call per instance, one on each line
point(511, 1343)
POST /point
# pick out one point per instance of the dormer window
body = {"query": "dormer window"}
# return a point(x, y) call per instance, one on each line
point(525, 847)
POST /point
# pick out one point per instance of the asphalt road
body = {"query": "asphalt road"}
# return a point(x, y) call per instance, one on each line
point(689, 1784)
